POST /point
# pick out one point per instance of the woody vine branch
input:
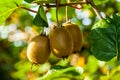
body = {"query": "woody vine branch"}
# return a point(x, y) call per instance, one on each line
point(67, 4)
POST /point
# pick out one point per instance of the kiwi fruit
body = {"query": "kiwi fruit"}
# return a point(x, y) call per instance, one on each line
point(76, 35)
point(38, 50)
point(61, 43)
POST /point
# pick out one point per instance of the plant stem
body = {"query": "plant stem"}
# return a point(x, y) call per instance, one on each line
point(97, 12)
point(94, 8)
point(62, 5)
point(66, 14)
point(27, 9)
point(43, 31)
point(67, 4)
point(67, 11)
point(52, 5)
point(57, 3)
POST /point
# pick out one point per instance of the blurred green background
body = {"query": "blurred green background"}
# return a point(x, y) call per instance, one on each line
point(18, 28)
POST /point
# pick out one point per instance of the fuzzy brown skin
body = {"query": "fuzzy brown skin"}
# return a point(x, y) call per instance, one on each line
point(61, 42)
point(76, 35)
point(38, 50)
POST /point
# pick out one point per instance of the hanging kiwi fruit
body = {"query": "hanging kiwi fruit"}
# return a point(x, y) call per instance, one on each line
point(61, 42)
point(38, 50)
point(76, 35)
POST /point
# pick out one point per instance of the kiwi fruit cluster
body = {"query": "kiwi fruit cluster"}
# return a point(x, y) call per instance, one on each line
point(62, 41)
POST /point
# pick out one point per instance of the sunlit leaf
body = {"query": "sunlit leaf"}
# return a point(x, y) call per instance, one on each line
point(7, 7)
point(89, 66)
point(116, 75)
point(105, 38)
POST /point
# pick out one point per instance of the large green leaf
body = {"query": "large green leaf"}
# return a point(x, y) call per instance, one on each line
point(6, 8)
point(105, 38)
point(40, 18)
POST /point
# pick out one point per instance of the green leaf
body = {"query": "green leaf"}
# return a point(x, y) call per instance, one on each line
point(29, 1)
point(99, 2)
point(40, 18)
point(105, 38)
point(6, 8)
point(58, 67)
point(58, 71)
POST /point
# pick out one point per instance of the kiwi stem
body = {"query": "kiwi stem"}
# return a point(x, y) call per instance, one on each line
point(67, 11)
point(57, 3)
point(43, 33)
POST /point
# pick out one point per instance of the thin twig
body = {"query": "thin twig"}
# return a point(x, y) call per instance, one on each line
point(19, 6)
point(97, 12)
point(52, 5)
point(68, 4)
point(62, 5)
point(27, 9)
point(94, 8)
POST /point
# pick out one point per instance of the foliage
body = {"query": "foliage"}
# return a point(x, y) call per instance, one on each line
point(98, 59)
point(7, 7)
point(105, 38)
point(40, 18)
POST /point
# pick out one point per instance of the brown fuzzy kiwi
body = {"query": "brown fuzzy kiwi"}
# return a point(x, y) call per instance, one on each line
point(76, 35)
point(61, 43)
point(38, 50)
